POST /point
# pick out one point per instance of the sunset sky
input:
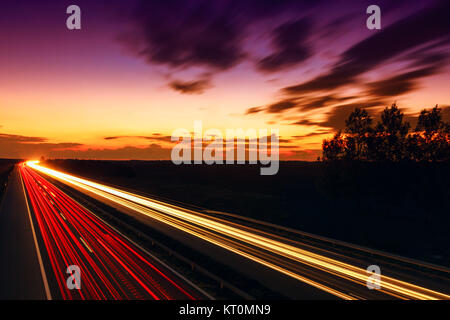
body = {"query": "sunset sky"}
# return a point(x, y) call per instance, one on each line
point(138, 70)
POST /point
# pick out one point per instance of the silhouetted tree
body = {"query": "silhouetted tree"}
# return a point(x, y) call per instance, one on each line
point(333, 149)
point(389, 140)
point(430, 122)
point(358, 129)
point(431, 138)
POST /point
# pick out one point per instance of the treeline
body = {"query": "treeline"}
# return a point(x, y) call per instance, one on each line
point(390, 139)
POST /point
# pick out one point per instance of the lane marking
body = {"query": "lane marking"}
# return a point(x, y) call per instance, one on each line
point(356, 296)
point(85, 244)
point(38, 252)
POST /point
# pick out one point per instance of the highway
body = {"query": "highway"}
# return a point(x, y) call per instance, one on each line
point(111, 266)
point(324, 268)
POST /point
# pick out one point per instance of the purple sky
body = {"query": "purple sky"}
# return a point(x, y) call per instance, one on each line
point(137, 68)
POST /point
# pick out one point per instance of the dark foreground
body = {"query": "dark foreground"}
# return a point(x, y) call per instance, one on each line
point(294, 264)
point(400, 208)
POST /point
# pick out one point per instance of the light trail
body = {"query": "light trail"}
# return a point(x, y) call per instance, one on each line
point(112, 267)
point(238, 239)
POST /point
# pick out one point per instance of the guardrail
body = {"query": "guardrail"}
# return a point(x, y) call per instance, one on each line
point(335, 242)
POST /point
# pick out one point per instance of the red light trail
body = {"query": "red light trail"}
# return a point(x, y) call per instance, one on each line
point(112, 267)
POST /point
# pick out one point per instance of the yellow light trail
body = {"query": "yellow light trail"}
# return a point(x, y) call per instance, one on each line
point(238, 240)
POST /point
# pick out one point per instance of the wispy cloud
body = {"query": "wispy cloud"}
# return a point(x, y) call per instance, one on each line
point(291, 47)
point(190, 87)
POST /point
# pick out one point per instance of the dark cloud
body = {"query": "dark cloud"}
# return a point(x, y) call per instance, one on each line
point(427, 25)
point(254, 110)
point(23, 147)
point(190, 87)
point(154, 137)
point(301, 103)
point(399, 84)
point(305, 122)
point(208, 34)
point(179, 33)
point(124, 137)
point(61, 146)
point(203, 32)
point(309, 103)
point(290, 45)
point(18, 138)
point(312, 134)
point(335, 118)
point(336, 27)
point(426, 61)
point(281, 106)
point(17, 146)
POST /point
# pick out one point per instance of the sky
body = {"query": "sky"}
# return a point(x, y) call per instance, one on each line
point(138, 70)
